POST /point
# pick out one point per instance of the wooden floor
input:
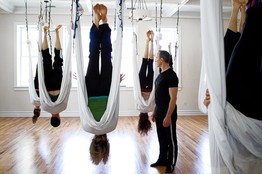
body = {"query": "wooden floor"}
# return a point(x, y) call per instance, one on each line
point(41, 149)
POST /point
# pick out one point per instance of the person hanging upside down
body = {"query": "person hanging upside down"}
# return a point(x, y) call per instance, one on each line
point(238, 67)
point(98, 82)
point(146, 75)
point(53, 74)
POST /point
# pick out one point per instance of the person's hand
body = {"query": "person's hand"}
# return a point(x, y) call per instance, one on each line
point(153, 117)
point(207, 99)
point(122, 77)
point(166, 121)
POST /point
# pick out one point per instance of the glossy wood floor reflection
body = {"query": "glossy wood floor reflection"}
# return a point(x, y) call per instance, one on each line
point(41, 149)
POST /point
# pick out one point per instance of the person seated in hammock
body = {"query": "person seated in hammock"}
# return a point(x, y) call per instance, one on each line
point(146, 77)
point(53, 74)
point(98, 81)
point(243, 60)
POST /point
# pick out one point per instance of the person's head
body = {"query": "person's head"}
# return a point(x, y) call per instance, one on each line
point(144, 124)
point(55, 120)
point(99, 149)
point(162, 58)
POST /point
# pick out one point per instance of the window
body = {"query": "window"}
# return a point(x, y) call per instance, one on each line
point(168, 36)
point(171, 36)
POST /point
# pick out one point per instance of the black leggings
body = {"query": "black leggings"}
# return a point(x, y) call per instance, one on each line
point(53, 72)
point(98, 83)
point(146, 78)
point(244, 69)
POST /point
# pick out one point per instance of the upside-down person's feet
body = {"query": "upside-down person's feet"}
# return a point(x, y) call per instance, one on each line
point(148, 33)
point(151, 36)
point(46, 29)
point(103, 11)
point(97, 15)
point(58, 27)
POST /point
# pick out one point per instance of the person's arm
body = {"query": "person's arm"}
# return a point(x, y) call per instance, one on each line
point(153, 116)
point(171, 106)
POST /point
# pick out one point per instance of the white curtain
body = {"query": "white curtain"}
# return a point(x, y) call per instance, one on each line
point(109, 119)
point(235, 140)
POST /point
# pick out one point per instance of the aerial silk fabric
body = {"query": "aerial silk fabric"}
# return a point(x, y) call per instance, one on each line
point(109, 119)
point(142, 105)
point(235, 140)
point(44, 100)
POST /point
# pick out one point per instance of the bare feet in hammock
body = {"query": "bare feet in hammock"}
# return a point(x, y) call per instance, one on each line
point(97, 16)
point(46, 29)
point(103, 11)
point(58, 27)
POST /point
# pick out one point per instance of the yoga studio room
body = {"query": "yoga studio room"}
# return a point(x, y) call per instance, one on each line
point(131, 87)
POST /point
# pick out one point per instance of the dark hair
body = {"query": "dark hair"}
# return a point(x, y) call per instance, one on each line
point(164, 55)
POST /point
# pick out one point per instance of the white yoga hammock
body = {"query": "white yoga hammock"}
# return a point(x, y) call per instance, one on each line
point(45, 101)
point(235, 140)
point(109, 119)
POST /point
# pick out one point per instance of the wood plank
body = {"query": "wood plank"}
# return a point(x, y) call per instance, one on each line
point(40, 148)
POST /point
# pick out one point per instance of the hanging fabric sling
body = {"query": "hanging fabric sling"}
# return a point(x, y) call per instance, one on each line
point(44, 100)
point(109, 118)
point(235, 139)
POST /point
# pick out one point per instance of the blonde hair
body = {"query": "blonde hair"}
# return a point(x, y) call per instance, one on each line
point(99, 149)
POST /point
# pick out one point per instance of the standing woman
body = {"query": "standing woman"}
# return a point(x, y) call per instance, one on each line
point(165, 112)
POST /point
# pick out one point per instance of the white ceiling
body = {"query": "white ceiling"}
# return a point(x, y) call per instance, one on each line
point(169, 7)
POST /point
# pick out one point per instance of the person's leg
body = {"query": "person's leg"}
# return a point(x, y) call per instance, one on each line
point(243, 16)
point(142, 73)
point(57, 74)
point(47, 62)
point(163, 143)
point(243, 78)
point(143, 68)
point(58, 62)
point(252, 3)
point(172, 141)
point(92, 77)
point(150, 70)
point(106, 49)
point(232, 34)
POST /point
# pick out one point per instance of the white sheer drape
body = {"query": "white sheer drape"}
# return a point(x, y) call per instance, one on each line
point(235, 140)
point(45, 101)
point(109, 119)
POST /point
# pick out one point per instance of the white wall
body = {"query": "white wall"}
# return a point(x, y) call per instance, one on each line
point(15, 102)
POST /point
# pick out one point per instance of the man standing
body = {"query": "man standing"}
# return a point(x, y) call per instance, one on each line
point(165, 112)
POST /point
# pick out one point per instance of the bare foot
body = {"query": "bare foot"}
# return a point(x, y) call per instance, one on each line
point(46, 28)
point(151, 35)
point(103, 11)
point(97, 16)
point(58, 27)
point(148, 34)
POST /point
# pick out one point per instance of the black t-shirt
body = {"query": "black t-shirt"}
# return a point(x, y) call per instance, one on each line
point(163, 82)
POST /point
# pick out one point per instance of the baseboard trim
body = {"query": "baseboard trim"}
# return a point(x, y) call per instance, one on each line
point(76, 113)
